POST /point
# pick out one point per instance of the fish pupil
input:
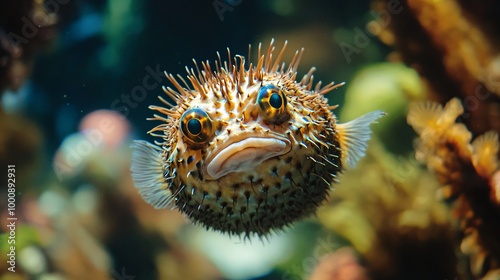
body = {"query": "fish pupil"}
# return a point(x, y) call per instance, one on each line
point(194, 126)
point(275, 101)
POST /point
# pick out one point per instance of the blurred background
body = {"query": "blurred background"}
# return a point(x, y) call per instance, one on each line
point(76, 78)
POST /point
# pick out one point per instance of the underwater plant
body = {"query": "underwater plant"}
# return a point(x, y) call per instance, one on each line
point(466, 170)
point(452, 45)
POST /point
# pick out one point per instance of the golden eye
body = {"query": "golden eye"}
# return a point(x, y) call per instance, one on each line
point(196, 125)
point(272, 101)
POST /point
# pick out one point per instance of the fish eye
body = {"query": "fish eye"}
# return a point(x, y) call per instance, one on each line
point(196, 125)
point(275, 101)
point(272, 101)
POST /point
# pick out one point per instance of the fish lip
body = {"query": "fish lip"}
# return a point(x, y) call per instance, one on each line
point(218, 163)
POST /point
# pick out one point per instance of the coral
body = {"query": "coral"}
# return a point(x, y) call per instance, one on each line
point(386, 209)
point(466, 172)
point(25, 27)
point(20, 145)
point(341, 265)
point(454, 48)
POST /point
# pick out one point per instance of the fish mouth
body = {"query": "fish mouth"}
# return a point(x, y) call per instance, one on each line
point(244, 155)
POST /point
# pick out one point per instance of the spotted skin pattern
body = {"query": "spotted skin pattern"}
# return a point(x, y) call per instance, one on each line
point(230, 180)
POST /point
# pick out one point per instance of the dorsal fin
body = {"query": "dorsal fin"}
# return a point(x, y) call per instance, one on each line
point(354, 136)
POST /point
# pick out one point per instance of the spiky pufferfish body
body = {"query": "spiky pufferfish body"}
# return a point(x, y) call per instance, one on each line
point(268, 149)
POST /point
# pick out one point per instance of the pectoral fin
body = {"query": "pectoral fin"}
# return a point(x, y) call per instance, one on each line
point(147, 173)
point(354, 136)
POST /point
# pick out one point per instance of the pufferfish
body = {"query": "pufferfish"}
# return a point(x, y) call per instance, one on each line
point(246, 149)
